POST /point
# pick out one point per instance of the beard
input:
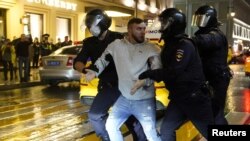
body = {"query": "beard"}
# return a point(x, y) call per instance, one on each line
point(139, 39)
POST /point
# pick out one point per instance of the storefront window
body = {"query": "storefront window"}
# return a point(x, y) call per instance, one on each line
point(2, 23)
point(63, 28)
point(36, 25)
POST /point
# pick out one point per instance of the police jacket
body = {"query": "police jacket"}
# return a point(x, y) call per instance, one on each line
point(213, 48)
point(93, 48)
point(182, 69)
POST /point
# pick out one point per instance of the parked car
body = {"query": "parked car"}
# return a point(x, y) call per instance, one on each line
point(58, 66)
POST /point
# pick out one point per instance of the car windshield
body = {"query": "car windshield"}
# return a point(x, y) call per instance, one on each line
point(68, 51)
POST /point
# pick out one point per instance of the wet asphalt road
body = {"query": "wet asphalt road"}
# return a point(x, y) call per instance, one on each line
point(43, 113)
point(238, 98)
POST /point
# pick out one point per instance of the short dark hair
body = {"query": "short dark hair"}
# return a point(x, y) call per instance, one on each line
point(135, 20)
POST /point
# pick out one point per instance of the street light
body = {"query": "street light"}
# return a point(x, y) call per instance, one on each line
point(232, 14)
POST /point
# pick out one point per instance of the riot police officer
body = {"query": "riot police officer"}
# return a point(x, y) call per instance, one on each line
point(98, 22)
point(213, 47)
point(183, 77)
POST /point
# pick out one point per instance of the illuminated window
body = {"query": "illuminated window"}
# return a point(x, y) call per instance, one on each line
point(2, 23)
point(63, 28)
point(36, 25)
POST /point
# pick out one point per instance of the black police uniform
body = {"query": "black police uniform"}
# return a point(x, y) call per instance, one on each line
point(213, 48)
point(108, 91)
point(183, 77)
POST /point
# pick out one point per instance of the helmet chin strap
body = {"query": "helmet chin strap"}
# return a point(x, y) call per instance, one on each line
point(102, 35)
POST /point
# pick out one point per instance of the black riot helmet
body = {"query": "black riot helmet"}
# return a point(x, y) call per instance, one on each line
point(173, 22)
point(97, 21)
point(205, 17)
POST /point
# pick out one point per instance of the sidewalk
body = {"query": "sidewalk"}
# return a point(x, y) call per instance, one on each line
point(15, 83)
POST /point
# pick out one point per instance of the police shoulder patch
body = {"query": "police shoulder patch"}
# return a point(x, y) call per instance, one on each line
point(179, 55)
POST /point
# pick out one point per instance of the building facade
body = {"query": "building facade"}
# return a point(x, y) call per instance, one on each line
point(60, 18)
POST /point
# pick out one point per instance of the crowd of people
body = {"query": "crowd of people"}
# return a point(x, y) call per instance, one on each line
point(20, 54)
point(194, 70)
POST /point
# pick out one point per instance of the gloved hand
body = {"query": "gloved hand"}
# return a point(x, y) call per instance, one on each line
point(84, 71)
point(93, 67)
point(152, 74)
point(108, 57)
point(146, 74)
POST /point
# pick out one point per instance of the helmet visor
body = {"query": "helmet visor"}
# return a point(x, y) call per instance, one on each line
point(200, 20)
point(165, 24)
point(92, 20)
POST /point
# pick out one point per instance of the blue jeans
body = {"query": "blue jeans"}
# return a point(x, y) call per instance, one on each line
point(143, 110)
point(24, 61)
point(98, 113)
point(8, 66)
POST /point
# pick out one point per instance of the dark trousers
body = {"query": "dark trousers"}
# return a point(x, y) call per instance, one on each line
point(35, 61)
point(24, 68)
point(219, 86)
point(105, 98)
point(7, 66)
point(195, 108)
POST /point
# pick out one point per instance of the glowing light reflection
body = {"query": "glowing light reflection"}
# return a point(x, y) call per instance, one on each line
point(246, 100)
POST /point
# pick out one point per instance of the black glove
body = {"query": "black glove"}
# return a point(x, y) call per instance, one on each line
point(152, 74)
point(84, 71)
point(108, 57)
point(93, 67)
point(146, 74)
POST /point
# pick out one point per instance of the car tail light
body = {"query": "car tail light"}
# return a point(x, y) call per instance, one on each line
point(77, 42)
point(70, 61)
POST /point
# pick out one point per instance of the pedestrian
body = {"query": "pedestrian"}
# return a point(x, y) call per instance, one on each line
point(183, 77)
point(58, 44)
point(97, 23)
point(66, 41)
point(15, 62)
point(22, 52)
point(213, 47)
point(8, 54)
point(45, 46)
point(132, 55)
point(36, 53)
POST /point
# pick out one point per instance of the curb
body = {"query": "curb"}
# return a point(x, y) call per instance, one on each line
point(19, 85)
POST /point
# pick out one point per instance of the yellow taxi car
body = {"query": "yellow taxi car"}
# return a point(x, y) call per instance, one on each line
point(247, 66)
point(187, 132)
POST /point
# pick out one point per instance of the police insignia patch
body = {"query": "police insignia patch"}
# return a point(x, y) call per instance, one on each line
point(179, 55)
